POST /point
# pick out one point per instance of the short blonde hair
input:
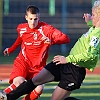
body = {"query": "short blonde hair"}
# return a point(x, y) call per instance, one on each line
point(96, 3)
point(97, 6)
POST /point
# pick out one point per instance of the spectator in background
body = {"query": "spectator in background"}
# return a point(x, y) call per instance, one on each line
point(35, 38)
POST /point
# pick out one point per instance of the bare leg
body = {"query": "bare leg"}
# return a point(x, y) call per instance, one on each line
point(26, 87)
point(18, 80)
point(43, 77)
point(39, 88)
point(60, 94)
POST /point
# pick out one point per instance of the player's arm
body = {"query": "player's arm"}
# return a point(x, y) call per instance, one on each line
point(9, 50)
point(59, 38)
point(17, 42)
point(92, 51)
point(87, 18)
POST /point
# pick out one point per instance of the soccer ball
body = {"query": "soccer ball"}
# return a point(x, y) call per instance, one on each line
point(3, 95)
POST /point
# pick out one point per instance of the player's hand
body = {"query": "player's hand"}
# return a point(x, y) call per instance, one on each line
point(87, 17)
point(5, 52)
point(59, 59)
point(46, 40)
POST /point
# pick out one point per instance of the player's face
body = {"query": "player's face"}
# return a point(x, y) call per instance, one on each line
point(95, 16)
point(32, 19)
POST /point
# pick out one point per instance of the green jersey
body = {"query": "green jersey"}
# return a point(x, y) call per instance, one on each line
point(86, 51)
point(89, 23)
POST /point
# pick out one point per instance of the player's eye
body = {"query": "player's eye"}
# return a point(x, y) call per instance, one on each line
point(30, 18)
point(35, 18)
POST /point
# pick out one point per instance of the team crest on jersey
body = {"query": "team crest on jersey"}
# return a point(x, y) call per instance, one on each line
point(94, 41)
point(35, 36)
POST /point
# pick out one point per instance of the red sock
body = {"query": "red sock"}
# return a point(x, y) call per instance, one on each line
point(32, 96)
point(10, 88)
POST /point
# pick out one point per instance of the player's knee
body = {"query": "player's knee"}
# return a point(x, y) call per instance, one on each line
point(17, 81)
point(36, 81)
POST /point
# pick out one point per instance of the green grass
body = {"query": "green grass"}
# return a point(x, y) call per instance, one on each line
point(90, 89)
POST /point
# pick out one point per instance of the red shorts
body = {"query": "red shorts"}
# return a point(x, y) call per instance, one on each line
point(22, 68)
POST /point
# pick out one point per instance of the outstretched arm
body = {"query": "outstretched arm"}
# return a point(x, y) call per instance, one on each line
point(87, 18)
point(7, 51)
point(59, 37)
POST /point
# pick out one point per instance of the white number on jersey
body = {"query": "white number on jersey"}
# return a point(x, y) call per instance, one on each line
point(94, 41)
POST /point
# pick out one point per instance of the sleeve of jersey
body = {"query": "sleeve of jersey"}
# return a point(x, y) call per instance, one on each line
point(89, 23)
point(17, 42)
point(59, 37)
point(92, 51)
point(15, 45)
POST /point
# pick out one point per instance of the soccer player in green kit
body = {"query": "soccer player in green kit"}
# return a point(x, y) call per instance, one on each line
point(69, 71)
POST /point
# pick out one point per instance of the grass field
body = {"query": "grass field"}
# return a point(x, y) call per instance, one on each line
point(90, 89)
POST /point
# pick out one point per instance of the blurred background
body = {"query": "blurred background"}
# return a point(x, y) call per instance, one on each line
point(66, 15)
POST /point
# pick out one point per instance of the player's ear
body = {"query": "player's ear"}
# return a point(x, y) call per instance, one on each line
point(26, 17)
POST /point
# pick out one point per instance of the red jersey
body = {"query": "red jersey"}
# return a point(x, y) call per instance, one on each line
point(33, 48)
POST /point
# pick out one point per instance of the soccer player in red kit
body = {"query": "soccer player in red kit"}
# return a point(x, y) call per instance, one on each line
point(35, 38)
